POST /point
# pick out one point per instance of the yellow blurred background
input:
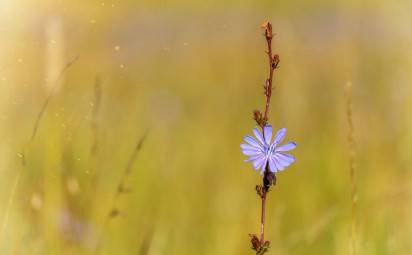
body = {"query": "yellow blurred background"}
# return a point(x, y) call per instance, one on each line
point(81, 82)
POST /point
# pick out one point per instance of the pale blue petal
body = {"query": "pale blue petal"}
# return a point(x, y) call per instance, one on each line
point(279, 166)
point(259, 162)
point(251, 152)
point(284, 160)
point(272, 165)
point(249, 147)
point(286, 157)
point(279, 135)
point(263, 168)
point(281, 163)
point(264, 165)
point(253, 158)
point(252, 141)
point(267, 133)
point(258, 135)
point(286, 147)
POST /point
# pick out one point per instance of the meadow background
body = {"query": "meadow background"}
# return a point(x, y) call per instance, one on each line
point(189, 73)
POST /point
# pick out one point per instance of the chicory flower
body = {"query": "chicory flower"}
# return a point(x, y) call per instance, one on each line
point(262, 152)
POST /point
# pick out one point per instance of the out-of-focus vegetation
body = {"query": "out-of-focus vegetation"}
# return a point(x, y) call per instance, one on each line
point(191, 73)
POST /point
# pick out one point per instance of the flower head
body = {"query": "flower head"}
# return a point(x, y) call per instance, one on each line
point(262, 152)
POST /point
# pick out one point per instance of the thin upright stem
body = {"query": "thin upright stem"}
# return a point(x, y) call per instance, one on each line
point(273, 61)
point(262, 219)
point(259, 244)
point(268, 85)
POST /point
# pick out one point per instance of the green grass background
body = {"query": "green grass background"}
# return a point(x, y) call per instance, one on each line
point(191, 72)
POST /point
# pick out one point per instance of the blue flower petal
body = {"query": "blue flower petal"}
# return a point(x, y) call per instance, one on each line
point(279, 164)
point(272, 165)
point(284, 159)
point(286, 147)
point(258, 135)
point(279, 135)
point(251, 152)
point(252, 141)
point(259, 162)
point(267, 133)
point(249, 147)
point(253, 158)
point(263, 167)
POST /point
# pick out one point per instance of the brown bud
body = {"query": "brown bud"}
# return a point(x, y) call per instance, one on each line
point(259, 190)
point(275, 61)
point(257, 116)
point(268, 29)
point(269, 179)
point(254, 240)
